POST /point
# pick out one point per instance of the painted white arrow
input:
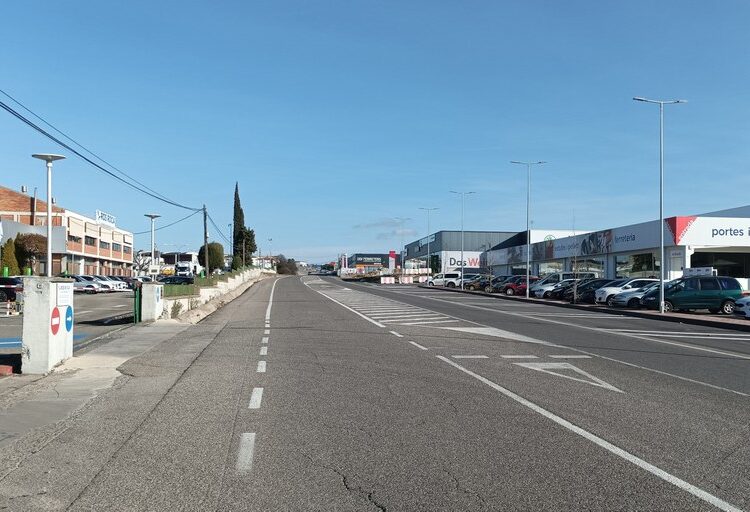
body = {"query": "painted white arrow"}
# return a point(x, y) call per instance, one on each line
point(555, 368)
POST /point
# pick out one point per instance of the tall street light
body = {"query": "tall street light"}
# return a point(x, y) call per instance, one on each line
point(661, 104)
point(528, 209)
point(153, 217)
point(463, 197)
point(269, 252)
point(49, 158)
point(429, 263)
point(401, 221)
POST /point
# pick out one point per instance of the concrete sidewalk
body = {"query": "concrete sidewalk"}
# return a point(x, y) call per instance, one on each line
point(28, 402)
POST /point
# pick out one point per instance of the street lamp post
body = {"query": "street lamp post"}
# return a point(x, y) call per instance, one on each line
point(49, 158)
point(429, 262)
point(269, 252)
point(463, 197)
point(528, 209)
point(661, 104)
point(401, 249)
point(153, 217)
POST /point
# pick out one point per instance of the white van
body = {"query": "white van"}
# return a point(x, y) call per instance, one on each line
point(449, 279)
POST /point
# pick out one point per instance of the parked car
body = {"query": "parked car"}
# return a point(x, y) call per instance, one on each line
point(558, 292)
point(716, 294)
point(105, 286)
point(82, 285)
point(468, 278)
point(10, 288)
point(517, 285)
point(477, 282)
point(543, 291)
point(584, 292)
point(564, 276)
point(177, 280)
point(449, 279)
point(114, 283)
point(632, 298)
point(605, 294)
point(742, 307)
point(498, 284)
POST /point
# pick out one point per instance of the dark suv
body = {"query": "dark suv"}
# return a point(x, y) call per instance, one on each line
point(716, 294)
point(10, 287)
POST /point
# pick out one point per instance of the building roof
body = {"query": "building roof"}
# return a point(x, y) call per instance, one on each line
point(12, 201)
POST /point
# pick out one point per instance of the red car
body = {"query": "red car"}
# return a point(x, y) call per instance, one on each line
point(517, 285)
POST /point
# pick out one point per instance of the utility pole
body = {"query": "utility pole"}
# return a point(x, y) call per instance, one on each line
point(205, 240)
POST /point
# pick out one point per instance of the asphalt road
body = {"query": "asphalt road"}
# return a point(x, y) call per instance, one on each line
point(88, 310)
point(356, 397)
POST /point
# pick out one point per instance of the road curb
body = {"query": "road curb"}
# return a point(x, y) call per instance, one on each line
point(624, 312)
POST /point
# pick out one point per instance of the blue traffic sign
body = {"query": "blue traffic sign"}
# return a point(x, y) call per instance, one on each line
point(69, 318)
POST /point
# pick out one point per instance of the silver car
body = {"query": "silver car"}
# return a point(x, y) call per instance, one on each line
point(82, 285)
point(632, 298)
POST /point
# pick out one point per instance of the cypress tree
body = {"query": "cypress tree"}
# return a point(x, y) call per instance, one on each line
point(238, 229)
point(9, 258)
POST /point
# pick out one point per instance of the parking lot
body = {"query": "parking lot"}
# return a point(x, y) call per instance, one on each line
point(89, 310)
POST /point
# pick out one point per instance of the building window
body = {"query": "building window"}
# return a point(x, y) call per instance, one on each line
point(90, 240)
point(126, 249)
point(103, 245)
point(76, 239)
point(116, 247)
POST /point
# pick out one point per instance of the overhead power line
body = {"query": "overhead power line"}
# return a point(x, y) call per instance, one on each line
point(218, 230)
point(87, 150)
point(139, 188)
point(170, 224)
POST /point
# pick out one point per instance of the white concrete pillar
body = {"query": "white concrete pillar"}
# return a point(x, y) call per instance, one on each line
point(47, 332)
point(152, 301)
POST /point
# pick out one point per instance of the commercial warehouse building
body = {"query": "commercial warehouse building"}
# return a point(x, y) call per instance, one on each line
point(80, 244)
point(719, 239)
point(445, 248)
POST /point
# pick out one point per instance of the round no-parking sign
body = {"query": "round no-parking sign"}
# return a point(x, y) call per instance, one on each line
point(54, 323)
point(69, 318)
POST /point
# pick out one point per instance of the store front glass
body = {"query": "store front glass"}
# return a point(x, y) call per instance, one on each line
point(731, 264)
point(589, 265)
point(550, 267)
point(637, 265)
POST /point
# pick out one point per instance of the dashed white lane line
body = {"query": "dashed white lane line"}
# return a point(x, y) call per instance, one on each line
point(261, 367)
point(396, 334)
point(255, 398)
point(629, 457)
point(245, 454)
point(267, 331)
point(510, 356)
point(264, 339)
point(420, 347)
point(569, 356)
point(264, 351)
point(470, 357)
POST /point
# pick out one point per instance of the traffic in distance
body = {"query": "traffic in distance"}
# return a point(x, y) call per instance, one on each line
point(716, 294)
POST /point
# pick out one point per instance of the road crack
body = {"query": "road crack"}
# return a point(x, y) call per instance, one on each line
point(345, 480)
point(463, 489)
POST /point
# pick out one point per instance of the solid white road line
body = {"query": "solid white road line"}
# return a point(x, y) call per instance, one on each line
point(245, 454)
point(603, 330)
point(629, 457)
point(470, 357)
point(255, 398)
point(431, 322)
point(264, 339)
point(492, 331)
point(396, 334)
point(264, 351)
point(270, 302)
point(512, 356)
point(569, 356)
point(420, 347)
point(261, 367)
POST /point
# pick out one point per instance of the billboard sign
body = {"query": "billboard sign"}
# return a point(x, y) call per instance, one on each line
point(105, 218)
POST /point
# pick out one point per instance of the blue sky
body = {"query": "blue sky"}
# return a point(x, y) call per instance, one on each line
point(336, 116)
